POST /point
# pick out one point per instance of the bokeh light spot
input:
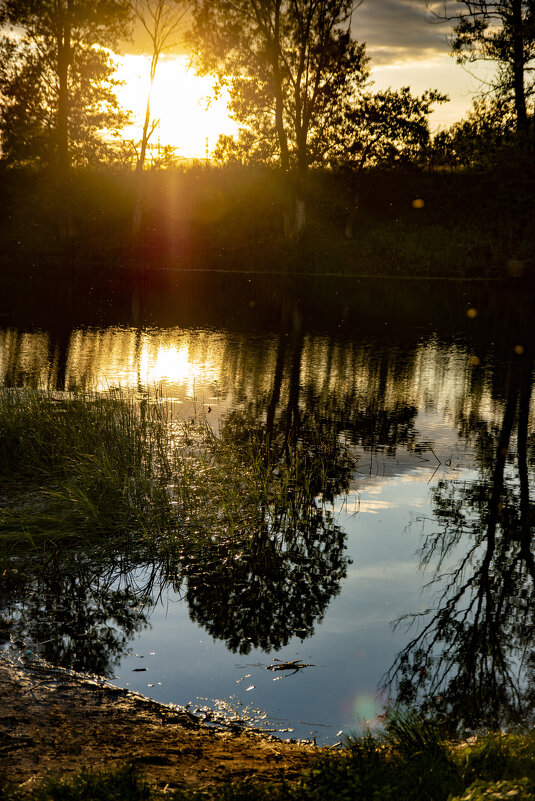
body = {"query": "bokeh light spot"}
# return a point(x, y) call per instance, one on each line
point(519, 349)
point(471, 313)
point(418, 203)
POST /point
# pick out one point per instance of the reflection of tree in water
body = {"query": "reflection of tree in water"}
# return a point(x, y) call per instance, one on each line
point(474, 656)
point(78, 610)
point(281, 583)
point(298, 441)
point(277, 588)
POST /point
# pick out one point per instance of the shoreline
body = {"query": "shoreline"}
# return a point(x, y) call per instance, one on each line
point(56, 723)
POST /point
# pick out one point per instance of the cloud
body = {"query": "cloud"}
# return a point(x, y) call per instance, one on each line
point(398, 31)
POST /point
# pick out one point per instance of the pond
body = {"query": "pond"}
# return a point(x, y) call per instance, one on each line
point(408, 572)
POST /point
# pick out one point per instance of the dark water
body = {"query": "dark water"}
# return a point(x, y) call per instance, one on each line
point(416, 401)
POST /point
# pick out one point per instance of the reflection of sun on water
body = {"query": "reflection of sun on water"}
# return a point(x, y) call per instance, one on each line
point(179, 101)
point(171, 363)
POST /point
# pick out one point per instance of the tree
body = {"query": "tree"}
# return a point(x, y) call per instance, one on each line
point(385, 128)
point(56, 83)
point(502, 31)
point(479, 138)
point(161, 20)
point(292, 63)
point(79, 608)
point(388, 128)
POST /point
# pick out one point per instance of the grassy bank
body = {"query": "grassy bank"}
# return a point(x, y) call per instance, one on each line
point(82, 467)
point(410, 760)
point(90, 467)
point(468, 223)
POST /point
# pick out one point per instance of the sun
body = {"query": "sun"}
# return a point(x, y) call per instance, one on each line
point(190, 119)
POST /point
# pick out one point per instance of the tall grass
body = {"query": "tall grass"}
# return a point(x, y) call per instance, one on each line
point(92, 466)
point(119, 784)
point(83, 466)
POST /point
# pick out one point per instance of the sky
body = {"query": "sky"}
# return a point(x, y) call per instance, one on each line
point(407, 46)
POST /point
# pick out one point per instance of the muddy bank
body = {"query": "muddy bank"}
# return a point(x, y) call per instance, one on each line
point(55, 723)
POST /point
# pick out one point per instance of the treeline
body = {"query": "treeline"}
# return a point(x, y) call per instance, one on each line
point(309, 122)
point(298, 81)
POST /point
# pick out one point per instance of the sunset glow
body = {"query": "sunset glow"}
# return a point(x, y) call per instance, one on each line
point(190, 120)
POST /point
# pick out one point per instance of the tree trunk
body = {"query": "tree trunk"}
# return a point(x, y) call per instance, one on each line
point(64, 59)
point(295, 217)
point(136, 219)
point(522, 447)
point(497, 481)
point(518, 72)
point(145, 135)
point(62, 154)
point(294, 214)
point(279, 121)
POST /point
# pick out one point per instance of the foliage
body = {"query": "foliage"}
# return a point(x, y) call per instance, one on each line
point(58, 102)
point(386, 128)
point(293, 64)
point(520, 790)
point(118, 784)
point(498, 756)
point(501, 31)
point(485, 135)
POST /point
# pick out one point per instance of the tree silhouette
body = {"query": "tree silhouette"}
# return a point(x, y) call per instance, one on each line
point(485, 133)
point(292, 64)
point(56, 79)
point(77, 609)
point(501, 31)
point(289, 560)
point(161, 20)
point(386, 129)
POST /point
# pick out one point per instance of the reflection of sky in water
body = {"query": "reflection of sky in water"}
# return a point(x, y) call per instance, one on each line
point(354, 645)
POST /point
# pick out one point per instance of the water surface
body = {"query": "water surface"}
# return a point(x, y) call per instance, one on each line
point(415, 400)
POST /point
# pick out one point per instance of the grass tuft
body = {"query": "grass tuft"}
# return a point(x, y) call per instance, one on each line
point(81, 467)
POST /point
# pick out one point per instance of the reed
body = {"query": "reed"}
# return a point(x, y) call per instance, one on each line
point(82, 466)
point(91, 467)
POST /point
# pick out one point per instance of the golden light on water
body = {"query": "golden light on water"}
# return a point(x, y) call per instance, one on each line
point(189, 120)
